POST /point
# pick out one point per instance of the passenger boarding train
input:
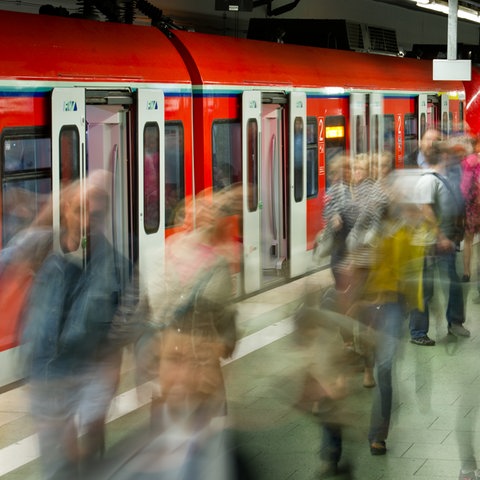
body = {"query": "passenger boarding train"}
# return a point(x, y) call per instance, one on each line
point(215, 112)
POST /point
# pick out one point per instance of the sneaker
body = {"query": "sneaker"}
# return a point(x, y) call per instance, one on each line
point(378, 448)
point(458, 330)
point(424, 341)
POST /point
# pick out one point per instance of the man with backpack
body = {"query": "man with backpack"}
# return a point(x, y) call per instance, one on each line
point(441, 205)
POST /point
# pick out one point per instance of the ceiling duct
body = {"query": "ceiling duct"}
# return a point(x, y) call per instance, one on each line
point(337, 34)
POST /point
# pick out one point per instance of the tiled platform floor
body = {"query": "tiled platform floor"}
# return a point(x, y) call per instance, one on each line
point(436, 403)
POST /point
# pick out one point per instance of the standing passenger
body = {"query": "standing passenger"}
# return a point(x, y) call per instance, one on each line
point(439, 205)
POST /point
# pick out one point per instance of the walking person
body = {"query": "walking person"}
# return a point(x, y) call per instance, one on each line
point(440, 206)
point(72, 379)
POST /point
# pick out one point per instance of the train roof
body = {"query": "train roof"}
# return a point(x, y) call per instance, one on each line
point(55, 49)
point(252, 62)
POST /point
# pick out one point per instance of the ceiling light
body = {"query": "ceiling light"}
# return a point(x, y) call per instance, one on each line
point(442, 7)
point(435, 6)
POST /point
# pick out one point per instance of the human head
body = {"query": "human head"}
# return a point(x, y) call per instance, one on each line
point(361, 168)
point(190, 349)
point(430, 136)
point(385, 164)
point(336, 168)
point(436, 153)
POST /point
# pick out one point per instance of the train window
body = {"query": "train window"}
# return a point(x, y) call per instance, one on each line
point(226, 154)
point(174, 171)
point(312, 157)
point(375, 132)
point(252, 164)
point(423, 124)
point(69, 154)
point(298, 159)
point(151, 177)
point(411, 135)
point(389, 134)
point(360, 134)
point(334, 140)
point(26, 178)
point(69, 142)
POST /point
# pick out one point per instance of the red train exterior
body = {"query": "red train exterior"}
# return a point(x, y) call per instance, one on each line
point(204, 112)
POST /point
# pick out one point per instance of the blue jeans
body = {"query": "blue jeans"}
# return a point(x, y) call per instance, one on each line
point(450, 284)
point(387, 322)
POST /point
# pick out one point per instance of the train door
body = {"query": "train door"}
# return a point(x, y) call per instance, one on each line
point(274, 251)
point(108, 116)
point(445, 123)
point(91, 136)
point(297, 183)
point(251, 130)
point(358, 124)
point(423, 114)
point(68, 156)
point(151, 180)
point(376, 123)
point(270, 187)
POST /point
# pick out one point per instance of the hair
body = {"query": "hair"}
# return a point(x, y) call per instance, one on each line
point(435, 154)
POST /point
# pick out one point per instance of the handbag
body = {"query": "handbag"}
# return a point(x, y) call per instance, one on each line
point(323, 245)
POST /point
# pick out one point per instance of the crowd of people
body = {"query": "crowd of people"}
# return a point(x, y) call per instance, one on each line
point(395, 238)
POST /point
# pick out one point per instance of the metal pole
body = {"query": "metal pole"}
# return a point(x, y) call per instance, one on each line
point(452, 30)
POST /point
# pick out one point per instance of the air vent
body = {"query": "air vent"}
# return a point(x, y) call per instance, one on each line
point(382, 40)
point(355, 36)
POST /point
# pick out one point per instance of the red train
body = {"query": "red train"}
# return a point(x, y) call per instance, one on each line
point(171, 117)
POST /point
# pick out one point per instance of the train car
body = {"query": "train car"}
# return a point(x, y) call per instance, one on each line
point(76, 97)
point(171, 116)
point(271, 116)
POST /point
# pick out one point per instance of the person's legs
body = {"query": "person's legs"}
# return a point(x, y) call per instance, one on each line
point(419, 319)
point(467, 255)
point(52, 407)
point(453, 293)
point(388, 320)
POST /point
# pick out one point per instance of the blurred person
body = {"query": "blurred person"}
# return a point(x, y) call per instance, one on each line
point(189, 436)
point(339, 216)
point(470, 188)
point(326, 374)
point(366, 232)
point(439, 204)
point(198, 268)
point(371, 196)
point(390, 291)
point(71, 379)
point(417, 159)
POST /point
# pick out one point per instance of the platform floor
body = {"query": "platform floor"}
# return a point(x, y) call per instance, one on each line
point(437, 397)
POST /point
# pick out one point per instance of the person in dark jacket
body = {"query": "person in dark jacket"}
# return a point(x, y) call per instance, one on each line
point(72, 372)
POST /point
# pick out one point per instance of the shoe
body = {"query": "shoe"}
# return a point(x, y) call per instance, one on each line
point(469, 475)
point(328, 470)
point(368, 378)
point(378, 448)
point(465, 278)
point(424, 341)
point(458, 330)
